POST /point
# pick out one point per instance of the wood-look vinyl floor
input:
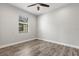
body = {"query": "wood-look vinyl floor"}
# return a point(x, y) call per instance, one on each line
point(39, 48)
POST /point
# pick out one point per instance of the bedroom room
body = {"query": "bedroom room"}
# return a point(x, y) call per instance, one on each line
point(39, 29)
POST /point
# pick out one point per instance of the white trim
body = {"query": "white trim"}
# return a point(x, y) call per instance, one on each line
point(65, 44)
point(3, 46)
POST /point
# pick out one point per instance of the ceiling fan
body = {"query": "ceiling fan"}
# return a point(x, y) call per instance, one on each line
point(38, 5)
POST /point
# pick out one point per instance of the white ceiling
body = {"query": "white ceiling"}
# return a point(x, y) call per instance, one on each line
point(43, 10)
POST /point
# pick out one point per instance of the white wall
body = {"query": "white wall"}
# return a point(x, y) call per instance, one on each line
point(9, 25)
point(61, 25)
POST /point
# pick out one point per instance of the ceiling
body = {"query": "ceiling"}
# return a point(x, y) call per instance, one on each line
point(42, 10)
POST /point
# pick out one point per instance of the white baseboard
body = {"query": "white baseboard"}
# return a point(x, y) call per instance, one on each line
point(65, 44)
point(3, 46)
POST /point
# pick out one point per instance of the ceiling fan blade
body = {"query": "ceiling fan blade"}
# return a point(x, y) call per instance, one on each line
point(31, 5)
point(45, 5)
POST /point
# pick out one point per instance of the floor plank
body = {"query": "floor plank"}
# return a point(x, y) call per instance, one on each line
point(39, 48)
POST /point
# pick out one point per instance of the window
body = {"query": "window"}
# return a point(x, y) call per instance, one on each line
point(23, 24)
